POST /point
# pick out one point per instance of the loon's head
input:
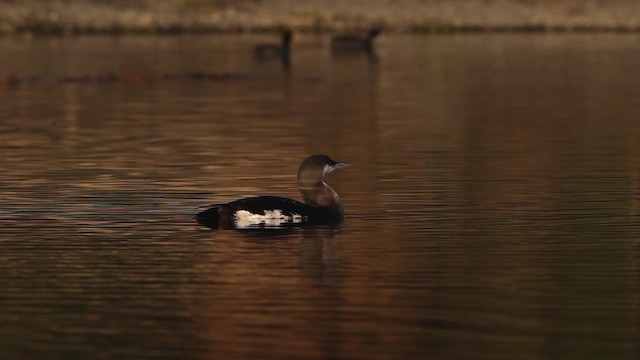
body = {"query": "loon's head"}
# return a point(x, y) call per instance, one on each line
point(315, 167)
point(287, 34)
point(374, 32)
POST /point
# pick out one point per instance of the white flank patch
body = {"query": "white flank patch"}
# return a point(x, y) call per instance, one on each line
point(270, 218)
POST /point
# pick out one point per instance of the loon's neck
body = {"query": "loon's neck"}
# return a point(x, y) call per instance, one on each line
point(319, 194)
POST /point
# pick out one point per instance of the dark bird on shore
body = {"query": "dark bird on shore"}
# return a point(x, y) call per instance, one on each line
point(321, 205)
point(280, 51)
point(355, 42)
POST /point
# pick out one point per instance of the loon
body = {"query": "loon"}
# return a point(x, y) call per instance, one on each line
point(355, 42)
point(321, 204)
point(274, 51)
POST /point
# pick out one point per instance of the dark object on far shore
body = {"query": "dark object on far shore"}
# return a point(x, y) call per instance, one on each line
point(321, 206)
point(275, 51)
point(355, 42)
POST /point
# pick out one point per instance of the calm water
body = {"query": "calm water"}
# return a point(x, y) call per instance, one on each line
point(493, 202)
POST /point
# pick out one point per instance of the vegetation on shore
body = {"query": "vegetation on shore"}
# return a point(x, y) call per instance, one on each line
point(176, 16)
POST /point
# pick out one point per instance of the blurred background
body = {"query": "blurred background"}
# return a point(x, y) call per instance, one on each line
point(81, 16)
point(493, 202)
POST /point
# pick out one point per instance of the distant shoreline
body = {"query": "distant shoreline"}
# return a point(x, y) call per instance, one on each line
point(71, 17)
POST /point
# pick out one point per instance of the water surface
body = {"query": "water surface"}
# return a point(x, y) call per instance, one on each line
point(493, 203)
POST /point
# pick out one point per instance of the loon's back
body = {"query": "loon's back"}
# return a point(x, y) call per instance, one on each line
point(264, 212)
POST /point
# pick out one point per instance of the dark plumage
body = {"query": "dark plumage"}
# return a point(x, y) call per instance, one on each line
point(355, 42)
point(322, 204)
point(275, 51)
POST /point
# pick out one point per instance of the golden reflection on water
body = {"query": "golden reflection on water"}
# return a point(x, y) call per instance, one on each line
point(492, 202)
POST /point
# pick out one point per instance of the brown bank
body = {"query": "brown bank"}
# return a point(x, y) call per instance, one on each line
point(175, 16)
